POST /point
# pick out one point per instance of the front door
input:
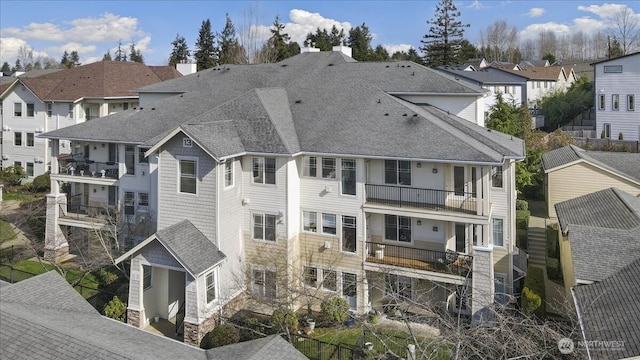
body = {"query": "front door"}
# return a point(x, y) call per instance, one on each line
point(461, 238)
point(350, 289)
point(459, 180)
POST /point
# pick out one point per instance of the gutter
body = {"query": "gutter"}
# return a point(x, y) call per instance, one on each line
point(584, 336)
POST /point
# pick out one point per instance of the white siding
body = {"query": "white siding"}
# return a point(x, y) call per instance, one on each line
point(468, 107)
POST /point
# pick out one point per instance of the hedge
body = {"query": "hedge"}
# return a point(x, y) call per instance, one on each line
point(522, 219)
point(533, 292)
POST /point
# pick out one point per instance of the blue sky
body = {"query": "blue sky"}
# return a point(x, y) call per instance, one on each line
point(93, 27)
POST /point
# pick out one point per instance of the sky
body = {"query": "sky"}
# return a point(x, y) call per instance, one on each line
point(92, 28)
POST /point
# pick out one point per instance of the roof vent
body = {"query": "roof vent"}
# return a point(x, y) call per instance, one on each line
point(284, 65)
point(298, 101)
point(331, 64)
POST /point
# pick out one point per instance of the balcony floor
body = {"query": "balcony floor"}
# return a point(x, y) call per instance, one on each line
point(438, 267)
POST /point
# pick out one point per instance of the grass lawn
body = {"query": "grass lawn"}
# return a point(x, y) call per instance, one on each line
point(6, 231)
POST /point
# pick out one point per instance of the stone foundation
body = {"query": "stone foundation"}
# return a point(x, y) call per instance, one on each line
point(133, 318)
point(55, 255)
point(193, 333)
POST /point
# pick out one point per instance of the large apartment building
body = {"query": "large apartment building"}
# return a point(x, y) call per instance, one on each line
point(285, 184)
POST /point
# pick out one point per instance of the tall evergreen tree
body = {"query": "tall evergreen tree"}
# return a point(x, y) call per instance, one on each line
point(279, 41)
point(324, 40)
point(360, 42)
point(180, 52)
point(231, 52)
point(442, 42)
point(107, 56)
point(74, 59)
point(206, 53)
point(64, 61)
point(121, 54)
point(6, 68)
point(135, 55)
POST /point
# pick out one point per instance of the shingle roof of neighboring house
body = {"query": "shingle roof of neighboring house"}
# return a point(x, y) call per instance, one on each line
point(45, 318)
point(604, 232)
point(549, 73)
point(530, 63)
point(485, 77)
point(6, 81)
point(100, 79)
point(313, 102)
point(610, 311)
point(616, 58)
point(620, 163)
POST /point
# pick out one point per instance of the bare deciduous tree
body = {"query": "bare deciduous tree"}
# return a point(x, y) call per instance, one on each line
point(626, 29)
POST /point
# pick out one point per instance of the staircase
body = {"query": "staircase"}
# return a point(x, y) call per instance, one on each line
point(537, 244)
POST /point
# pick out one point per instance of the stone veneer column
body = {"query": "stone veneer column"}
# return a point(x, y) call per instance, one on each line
point(194, 333)
point(482, 289)
point(55, 242)
point(134, 318)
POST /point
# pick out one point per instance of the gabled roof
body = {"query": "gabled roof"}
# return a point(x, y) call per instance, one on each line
point(190, 247)
point(616, 58)
point(313, 103)
point(546, 73)
point(626, 165)
point(531, 63)
point(609, 310)
point(45, 318)
point(485, 77)
point(101, 79)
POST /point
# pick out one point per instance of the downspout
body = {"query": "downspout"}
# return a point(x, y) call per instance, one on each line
point(584, 336)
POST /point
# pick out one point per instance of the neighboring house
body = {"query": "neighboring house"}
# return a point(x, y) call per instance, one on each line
point(571, 172)
point(45, 318)
point(600, 259)
point(45, 101)
point(617, 90)
point(543, 81)
point(357, 179)
point(533, 63)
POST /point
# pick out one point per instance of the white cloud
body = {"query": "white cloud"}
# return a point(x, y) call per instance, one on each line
point(10, 50)
point(535, 12)
point(531, 32)
point(476, 5)
point(606, 11)
point(392, 48)
point(304, 22)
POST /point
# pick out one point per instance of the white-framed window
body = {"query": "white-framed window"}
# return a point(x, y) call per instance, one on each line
point(498, 231)
point(350, 288)
point(147, 271)
point(141, 158)
point(309, 221)
point(264, 283)
point(310, 276)
point(125, 106)
point(130, 159)
point(129, 206)
point(309, 166)
point(613, 68)
point(607, 131)
point(329, 280)
point(348, 177)
point(348, 233)
point(29, 169)
point(70, 111)
point(17, 164)
point(228, 173)
point(49, 109)
point(30, 139)
point(615, 102)
point(17, 138)
point(264, 170)
point(329, 224)
point(329, 168)
point(188, 175)
point(31, 109)
point(17, 109)
point(496, 176)
point(397, 285)
point(499, 281)
point(631, 106)
point(264, 227)
point(600, 101)
point(143, 201)
point(397, 172)
point(211, 283)
point(397, 228)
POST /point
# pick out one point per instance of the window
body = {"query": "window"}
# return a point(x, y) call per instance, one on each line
point(607, 131)
point(397, 228)
point(309, 221)
point(631, 106)
point(329, 280)
point(188, 176)
point(228, 173)
point(146, 276)
point(70, 111)
point(30, 109)
point(348, 233)
point(498, 234)
point(615, 102)
point(113, 153)
point(264, 227)
point(29, 169)
point(496, 176)
point(17, 138)
point(613, 68)
point(349, 287)
point(264, 283)
point(398, 285)
point(129, 159)
point(329, 224)
point(309, 166)
point(30, 139)
point(310, 276)
point(17, 109)
point(141, 158)
point(348, 177)
point(329, 168)
point(397, 172)
point(264, 170)
point(600, 101)
point(129, 206)
point(17, 164)
point(499, 286)
point(125, 106)
point(49, 109)
point(210, 279)
point(143, 201)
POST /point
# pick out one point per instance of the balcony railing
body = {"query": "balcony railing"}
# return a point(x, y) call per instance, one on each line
point(446, 262)
point(85, 213)
point(90, 168)
point(430, 199)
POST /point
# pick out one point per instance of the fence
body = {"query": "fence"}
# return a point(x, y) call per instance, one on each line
point(608, 144)
point(321, 350)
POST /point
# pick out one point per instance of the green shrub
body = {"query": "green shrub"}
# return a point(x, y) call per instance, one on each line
point(116, 309)
point(603, 135)
point(374, 318)
point(13, 175)
point(285, 320)
point(41, 183)
point(336, 309)
point(521, 238)
point(554, 271)
point(552, 243)
point(221, 335)
point(522, 219)
point(106, 277)
point(533, 293)
point(522, 204)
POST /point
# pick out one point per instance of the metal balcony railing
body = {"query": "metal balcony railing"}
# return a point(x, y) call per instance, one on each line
point(430, 199)
point(90, 168)
point(446, 262)
point(85, 213)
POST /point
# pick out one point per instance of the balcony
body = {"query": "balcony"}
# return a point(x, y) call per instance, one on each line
point(444, 262)
point(429, 199)
point(90, 217)
point(90, 168)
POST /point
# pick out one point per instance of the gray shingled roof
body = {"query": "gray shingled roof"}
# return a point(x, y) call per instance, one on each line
point(610, 311)
point(45, 318)
point(486, 77)
point(604, 231)
point(318, 103)
point(621, 163)
point(191, 248)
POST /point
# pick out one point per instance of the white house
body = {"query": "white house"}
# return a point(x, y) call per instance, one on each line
point(617, 86)
point(315, 174)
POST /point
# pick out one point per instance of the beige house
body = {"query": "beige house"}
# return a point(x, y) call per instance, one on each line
point(572, 172)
